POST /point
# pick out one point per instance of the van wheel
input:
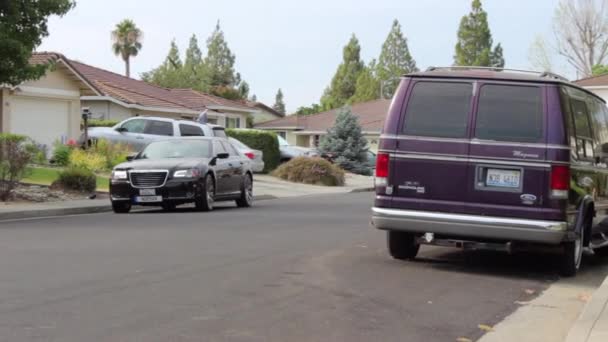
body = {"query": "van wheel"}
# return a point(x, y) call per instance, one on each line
point(572, 256)
point(121, 207)
point(402, 246)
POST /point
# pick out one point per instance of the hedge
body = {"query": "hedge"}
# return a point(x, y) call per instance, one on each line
point(260, 140)
point(102, 123)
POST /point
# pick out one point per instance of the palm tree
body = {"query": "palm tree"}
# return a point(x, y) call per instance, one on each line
point(127, 42)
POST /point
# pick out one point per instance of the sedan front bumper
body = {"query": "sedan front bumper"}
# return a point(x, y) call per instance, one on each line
point(173, 191)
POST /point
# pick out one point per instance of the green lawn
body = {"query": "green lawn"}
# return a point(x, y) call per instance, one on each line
point(46, 176)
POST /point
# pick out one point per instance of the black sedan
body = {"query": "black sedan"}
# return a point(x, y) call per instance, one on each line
point(190, 170)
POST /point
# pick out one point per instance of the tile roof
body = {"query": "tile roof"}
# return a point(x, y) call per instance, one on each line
point(138, 92)
point(371, 118)
point(595, 81)
point(262, 106)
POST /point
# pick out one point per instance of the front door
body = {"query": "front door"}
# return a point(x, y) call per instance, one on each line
point(236, 164)
point(223, 171)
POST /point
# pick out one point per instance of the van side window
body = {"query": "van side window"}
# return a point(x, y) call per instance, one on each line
point(599, 120)
point(510, 113)
point(582, 128)
point(439, 109)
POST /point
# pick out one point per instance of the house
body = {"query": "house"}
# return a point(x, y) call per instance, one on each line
point(49, 109)
point(596, 84)
point(264, 113)
point(307, 130)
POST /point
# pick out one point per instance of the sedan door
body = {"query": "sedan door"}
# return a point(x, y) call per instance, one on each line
point(236, 164)
point(223, 171)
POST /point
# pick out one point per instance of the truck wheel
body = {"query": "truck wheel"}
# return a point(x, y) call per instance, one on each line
point(572, 256)
point(402, 246)
point(121, 207)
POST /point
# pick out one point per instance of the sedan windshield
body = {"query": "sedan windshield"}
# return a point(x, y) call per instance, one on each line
point(177, 149)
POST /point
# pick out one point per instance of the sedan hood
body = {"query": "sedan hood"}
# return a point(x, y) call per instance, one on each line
point(163, 164)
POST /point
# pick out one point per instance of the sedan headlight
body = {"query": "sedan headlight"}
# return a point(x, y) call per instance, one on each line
point(190, 173)
point(119, 175)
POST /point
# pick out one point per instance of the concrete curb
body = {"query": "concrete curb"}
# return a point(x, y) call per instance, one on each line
point(91, 209)
point(592, 324)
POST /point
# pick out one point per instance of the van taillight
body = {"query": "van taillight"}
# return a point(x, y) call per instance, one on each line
point(560, 181)
point(382, 161)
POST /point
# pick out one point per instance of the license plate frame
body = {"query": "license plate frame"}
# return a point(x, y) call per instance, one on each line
point(148, 199)
point(147, 192)
point(510, 179)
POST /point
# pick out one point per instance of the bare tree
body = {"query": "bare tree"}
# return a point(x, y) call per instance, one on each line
point(581, 29)
point(540, 54)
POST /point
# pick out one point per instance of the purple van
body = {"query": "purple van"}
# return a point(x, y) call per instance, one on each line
point(481, 158)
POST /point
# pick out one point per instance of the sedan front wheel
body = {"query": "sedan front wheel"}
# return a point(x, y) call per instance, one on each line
point(246, 199)
point(206, 198)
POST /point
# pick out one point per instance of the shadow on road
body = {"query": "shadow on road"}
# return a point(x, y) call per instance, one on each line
point(521, 265)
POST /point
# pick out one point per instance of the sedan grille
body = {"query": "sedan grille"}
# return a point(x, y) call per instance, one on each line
point(148, 179)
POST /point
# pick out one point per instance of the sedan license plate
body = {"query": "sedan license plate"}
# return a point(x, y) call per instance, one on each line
point(147, 192)
point(148, 199)
point(503, 178)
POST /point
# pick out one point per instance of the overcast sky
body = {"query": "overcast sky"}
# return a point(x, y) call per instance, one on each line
point(292, 44)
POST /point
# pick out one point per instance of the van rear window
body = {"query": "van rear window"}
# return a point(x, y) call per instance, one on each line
point(510, 113)
point(439, 109)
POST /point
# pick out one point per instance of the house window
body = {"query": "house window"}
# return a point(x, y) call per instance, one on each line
point(282, 135)
point(317, 140)
point(233, 122)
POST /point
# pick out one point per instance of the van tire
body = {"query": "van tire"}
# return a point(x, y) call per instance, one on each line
point(572, 256)
point(402, 246)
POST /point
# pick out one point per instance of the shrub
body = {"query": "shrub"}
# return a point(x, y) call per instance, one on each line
point(260, 140)
point(38, 152)
point(102, 123)
point(113, 154)
point(14, 157)
point(61, 154)
point(76, 179)
point(81, 159)
point(316, 171)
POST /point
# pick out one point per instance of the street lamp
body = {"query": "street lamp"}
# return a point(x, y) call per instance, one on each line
point(86, 115)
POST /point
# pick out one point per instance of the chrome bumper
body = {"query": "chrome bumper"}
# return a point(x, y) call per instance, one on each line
point(549, 232)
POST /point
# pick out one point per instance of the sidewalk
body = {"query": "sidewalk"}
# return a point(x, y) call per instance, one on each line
point(592, 325)
point(264, 188)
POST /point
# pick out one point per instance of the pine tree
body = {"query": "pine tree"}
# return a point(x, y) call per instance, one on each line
point(368, 85)
point(343, 85)
point(474, 47)
point(254, 98)
point(279, 104)
point(244, 89)
point(170, 73)
point(395, 60)
point(194, 70)
point(346, 141)
point(219, 61)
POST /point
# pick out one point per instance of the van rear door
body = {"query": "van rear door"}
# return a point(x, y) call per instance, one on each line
point(429, 166)
point(508, 173)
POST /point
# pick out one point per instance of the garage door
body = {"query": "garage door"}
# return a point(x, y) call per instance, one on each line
point(43, 120)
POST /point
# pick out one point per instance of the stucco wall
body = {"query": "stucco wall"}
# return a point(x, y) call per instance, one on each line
point(54, 79)
point(108, 110)
point(262, 116)
point(603, 93)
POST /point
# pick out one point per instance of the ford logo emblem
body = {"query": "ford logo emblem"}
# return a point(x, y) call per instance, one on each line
point(528, 198)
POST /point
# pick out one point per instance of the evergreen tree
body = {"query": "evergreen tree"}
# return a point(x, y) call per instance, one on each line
point(346, 141)
point(244, 90)
point(395, 60)
point(599, 69)
point(368, 85)
point(344, 82)
point(194, 69)
point(279, 104)
point(170, 73)
point(254, 98)
point(313, 109)
point(219, 61)
point(474, 46)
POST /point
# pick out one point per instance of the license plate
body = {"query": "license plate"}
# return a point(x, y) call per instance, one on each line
point(148, 199)
point(503, 178)
point(147, 192)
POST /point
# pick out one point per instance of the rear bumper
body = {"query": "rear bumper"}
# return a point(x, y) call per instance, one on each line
point(481, 227)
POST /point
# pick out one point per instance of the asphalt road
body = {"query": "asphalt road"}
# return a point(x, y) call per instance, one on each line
point(300, 269)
